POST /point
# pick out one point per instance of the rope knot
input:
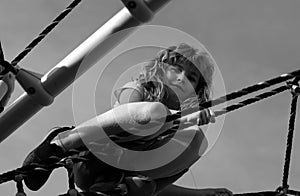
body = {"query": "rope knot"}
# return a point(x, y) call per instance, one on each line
point(294, 86)
point(20, 190)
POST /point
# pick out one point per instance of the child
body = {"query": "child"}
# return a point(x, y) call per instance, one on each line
point(174, 76)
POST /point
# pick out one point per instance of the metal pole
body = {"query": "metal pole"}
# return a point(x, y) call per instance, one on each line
point(77, 63)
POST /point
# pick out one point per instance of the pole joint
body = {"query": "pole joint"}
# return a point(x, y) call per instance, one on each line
point(139, 10)
point(294, 86)
point(32, 84)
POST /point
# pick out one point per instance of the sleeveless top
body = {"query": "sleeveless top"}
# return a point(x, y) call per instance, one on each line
point(88, 173)
point(130, 85)
point(188, 157)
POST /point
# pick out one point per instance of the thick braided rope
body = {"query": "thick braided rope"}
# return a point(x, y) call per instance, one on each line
point(293, 192)
point(251, 100)
point(25, 170)
point(238, 105)
point(251, 89)
point(231, 107)
point(236, 94)
point(289, 141)
point(45, 32)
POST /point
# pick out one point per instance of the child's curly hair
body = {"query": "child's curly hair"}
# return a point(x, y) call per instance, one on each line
point(153, 72)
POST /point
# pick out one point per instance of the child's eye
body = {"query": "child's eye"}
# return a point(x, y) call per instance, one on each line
point(191, 78)
point(177, 69)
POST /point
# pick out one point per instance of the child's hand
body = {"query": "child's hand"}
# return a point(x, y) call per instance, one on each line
point(206, 116)
point(200, 117)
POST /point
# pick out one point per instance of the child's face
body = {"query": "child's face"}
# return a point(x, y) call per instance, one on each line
point(182, 79)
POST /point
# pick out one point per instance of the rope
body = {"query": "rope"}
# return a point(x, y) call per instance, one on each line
point(289, 141)
point(19, 173)
point(11, 175)
point(261, 193)
point(193, 105)
point(234, 106)
point(25, 170)
point(293, 192)
point(45, 32)
point(19, 184)
point(71, 180)
point(268, 193)
point(251, 100)
point(290, 137)
point(250, 89)
point(284, 189)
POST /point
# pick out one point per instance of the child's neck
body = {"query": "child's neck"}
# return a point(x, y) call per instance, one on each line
point(170, 100)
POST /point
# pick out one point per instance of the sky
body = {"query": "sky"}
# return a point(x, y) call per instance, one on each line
point(251, 41)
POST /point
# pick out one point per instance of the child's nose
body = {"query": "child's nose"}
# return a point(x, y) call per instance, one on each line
point(181, 76)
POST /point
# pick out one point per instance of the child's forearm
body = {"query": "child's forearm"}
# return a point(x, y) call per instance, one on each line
point(138, 118)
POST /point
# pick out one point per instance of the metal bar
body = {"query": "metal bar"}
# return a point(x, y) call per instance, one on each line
point(74, 65)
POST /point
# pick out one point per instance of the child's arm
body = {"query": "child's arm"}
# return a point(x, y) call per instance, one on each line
point(138, 118)
point(200, 117)
point(134, 116)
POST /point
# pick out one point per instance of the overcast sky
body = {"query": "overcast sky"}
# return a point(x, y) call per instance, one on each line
point(251, 41)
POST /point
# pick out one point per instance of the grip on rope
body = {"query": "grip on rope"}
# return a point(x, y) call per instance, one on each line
point(19, 179)
point(139, 10)
point(33, 86)
point(72, 190)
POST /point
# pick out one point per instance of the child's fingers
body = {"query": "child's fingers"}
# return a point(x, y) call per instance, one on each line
point(200, 118)
point(212, 116)
point(206, 116)
point(203, 117)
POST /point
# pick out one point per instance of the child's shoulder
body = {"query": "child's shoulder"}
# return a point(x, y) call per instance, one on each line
point(130, 92)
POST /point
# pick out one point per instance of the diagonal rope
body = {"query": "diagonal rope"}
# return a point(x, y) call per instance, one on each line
point(45, 32)
point(8, 176)
point(251, 89)
point(63, 163)
point(193, 104)
point(289, 142)
point(234, 106)
point(251, 100)
point(290, 138)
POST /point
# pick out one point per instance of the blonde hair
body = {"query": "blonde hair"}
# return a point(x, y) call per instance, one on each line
point(152, 76)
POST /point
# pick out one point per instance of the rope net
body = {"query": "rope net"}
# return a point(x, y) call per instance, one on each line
point(190, 106)
point(75, 157)
point(45, 32)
